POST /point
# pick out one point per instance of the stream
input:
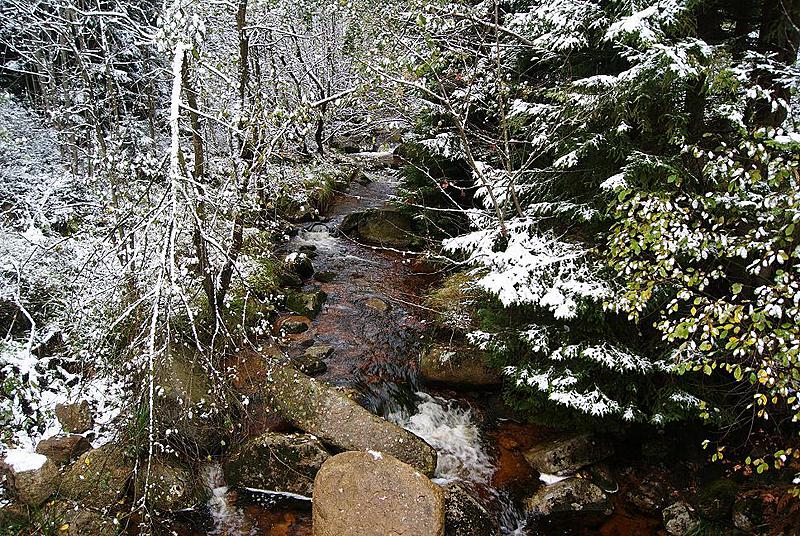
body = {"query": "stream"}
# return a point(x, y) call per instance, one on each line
point(373, 322)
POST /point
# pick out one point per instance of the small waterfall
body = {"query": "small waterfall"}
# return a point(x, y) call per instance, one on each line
point(513, 522)
point(461, 456)
point(228, 520)
point(450, 430)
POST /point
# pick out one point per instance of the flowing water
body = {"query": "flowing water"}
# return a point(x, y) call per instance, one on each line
point(374, 324)
point(372, 321)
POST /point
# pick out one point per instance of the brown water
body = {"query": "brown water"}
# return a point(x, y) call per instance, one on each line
point(373, 321)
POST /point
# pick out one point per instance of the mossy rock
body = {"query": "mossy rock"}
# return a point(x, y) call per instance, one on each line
point(70, 518)
point(307, 304)
point(187, 404)
point(98, 478)
point(716, 499)
point(457, 366)
point(170, 486)
point(277, 462)
point(381, 227)
point(325, 276)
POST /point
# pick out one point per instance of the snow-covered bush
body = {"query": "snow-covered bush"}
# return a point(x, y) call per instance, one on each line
point(634, 168)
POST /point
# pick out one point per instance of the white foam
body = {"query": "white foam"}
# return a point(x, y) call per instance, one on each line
point(228, 519)
point(450, 430)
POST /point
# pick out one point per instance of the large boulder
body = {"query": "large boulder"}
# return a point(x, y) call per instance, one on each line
point(31, 478)
point(75, 418)
point(381, 227)
point(457, 366)
point(568, 497)
point(98, 477)
point(277, 462)
point(169, 486)
point(186, 406)
point(464, 515)
point(564, 456)
point(72, 519)
point(61, 449)
point(374, 494)
point(337, 420)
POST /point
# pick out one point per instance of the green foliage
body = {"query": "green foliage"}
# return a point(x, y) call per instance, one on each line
point(640, 233)
point(433, 190)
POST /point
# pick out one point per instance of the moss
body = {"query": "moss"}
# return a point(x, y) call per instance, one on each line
point(318, 194)
point(716, 499)
point(306, 303)
point(453, 302)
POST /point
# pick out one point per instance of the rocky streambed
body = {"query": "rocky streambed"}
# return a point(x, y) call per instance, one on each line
point(352, 404)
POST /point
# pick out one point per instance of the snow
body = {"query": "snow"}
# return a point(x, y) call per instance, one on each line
point(280, 494)
point(614, 182)
point(535, 268)
point(549, 480)
point(22, 460)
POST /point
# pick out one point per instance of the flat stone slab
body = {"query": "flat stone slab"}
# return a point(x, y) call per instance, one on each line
point(337, 420)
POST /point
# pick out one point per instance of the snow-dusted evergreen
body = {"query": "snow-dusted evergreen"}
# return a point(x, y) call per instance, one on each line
point(632, 170)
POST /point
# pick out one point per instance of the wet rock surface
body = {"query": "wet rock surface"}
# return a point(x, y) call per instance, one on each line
point(567, 454)
point(277, 462)
point(464, 514)
point(373, 494)
point(569, 497)
point(299, 264)
point(309, 364)
point(293, 325)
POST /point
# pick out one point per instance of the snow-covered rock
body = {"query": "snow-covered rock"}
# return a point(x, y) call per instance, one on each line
point(30, 477)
